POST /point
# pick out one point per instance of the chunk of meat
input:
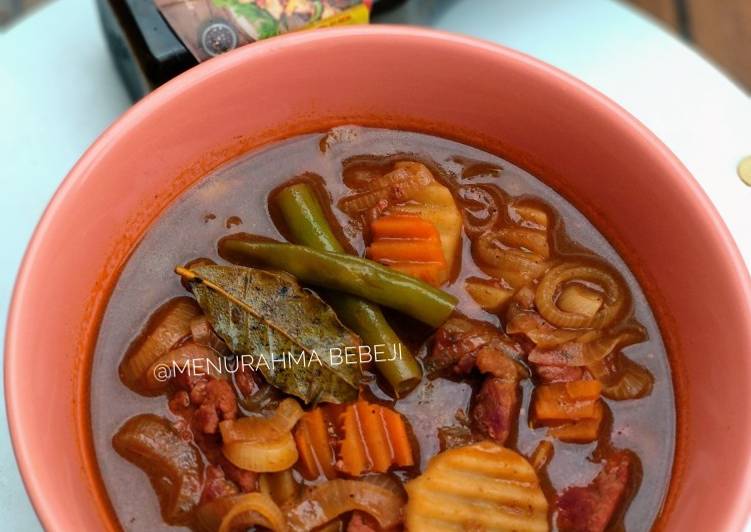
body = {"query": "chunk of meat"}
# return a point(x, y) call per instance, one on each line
point(216, 485)
point(586, 349)
point(187, 380)
point(246, 480)
point(496, 408)
point(454, 436)
point(247, 382)
point(362, 522)
point(211, 446)
point(179, 404)
point(591, 508)
point(549, 374)
point(463, 344)
point(200, 406)
point(492, 362)
point(214, 401)
point(459, 341)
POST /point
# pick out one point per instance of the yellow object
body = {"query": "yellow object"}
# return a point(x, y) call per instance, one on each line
point(744, 170)
point(262, 444)
point(489, 294)
point(580, 299)
point(483, 486)
point(563, 402)
point(247, 511)
point(531, 214)
point(359, 14)
point(435, 204)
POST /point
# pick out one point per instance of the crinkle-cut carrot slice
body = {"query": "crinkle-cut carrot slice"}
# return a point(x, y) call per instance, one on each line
point(405, 226)
point(314, 446)
point(353, 456)
point(374, 433)
point(374, 439)
point(397, 431)
point(409, 244)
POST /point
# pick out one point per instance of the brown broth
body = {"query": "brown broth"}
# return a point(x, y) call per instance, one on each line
point(234, 198)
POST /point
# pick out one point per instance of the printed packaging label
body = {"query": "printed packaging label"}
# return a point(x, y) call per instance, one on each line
point(212, 27)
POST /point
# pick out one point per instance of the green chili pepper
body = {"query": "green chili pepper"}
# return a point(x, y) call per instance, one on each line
point(308, 225)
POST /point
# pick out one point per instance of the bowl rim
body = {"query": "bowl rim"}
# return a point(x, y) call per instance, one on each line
point(681, 178)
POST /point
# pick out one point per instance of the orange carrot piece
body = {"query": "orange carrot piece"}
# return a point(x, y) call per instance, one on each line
point(397, 431)
point(409, 244)
point(396, 250)
point(375, 439)
point(403, 226)
point(319, 438)
point(582, 431)
point(584, 390)
point(316, 454)
point(377, 444)
point(430, 272)
point(354, 459)
point(553, 403)
point(307, 464)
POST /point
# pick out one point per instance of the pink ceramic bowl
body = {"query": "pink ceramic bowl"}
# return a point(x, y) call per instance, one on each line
point(585, 146)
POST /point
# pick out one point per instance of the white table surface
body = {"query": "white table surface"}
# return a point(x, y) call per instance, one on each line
point(59, 90)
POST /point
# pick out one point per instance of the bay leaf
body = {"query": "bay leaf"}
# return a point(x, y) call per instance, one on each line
point(267, 314)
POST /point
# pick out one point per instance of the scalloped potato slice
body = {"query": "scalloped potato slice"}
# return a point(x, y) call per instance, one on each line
point(480, 487)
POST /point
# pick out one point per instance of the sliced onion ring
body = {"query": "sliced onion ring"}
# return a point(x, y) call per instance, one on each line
point(281, 487)
point(200, 330)
point(261, 444)
point(539, 331)
point(622, 378)
point(166, 326)
point(173, 465)
point(262, 456)
point(524, 238)
point(481, 207)
point(515, 266)
point(254, 428)
point(240, 512)
point(588, 349)
point(331, 499)
point(555, 278)
point(399, 185)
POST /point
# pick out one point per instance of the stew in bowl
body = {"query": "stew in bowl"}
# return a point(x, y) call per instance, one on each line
point(375, 330)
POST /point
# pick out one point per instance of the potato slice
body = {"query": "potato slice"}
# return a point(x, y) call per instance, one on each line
point(488, 293)
point(483, 487)
point(436, 204)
